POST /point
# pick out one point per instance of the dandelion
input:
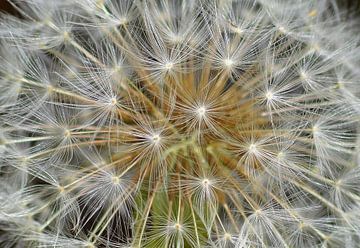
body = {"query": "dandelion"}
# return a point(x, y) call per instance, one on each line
point(221, 123)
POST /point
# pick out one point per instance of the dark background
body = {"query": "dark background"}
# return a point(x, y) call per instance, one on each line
point(6, 7)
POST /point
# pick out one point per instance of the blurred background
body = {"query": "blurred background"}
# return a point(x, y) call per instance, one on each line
point(350, 5)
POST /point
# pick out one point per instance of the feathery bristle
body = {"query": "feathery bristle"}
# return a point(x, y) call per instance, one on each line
point(221, 123)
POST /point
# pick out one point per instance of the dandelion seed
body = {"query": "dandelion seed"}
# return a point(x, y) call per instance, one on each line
point(156, 138)
point(168, 66)
point(201, 111)
point(282, 29)
point(228, 63)
point(269, 95)
point(115, 180)
point(252, 148)
point(178, 227)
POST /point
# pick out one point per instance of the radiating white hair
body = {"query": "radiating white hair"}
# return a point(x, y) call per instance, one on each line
point(179, 123)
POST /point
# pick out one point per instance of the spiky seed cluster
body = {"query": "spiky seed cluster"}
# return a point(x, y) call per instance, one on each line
point(167, 123)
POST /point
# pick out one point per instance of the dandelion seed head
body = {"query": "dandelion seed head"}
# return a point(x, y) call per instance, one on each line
point(179, 124)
